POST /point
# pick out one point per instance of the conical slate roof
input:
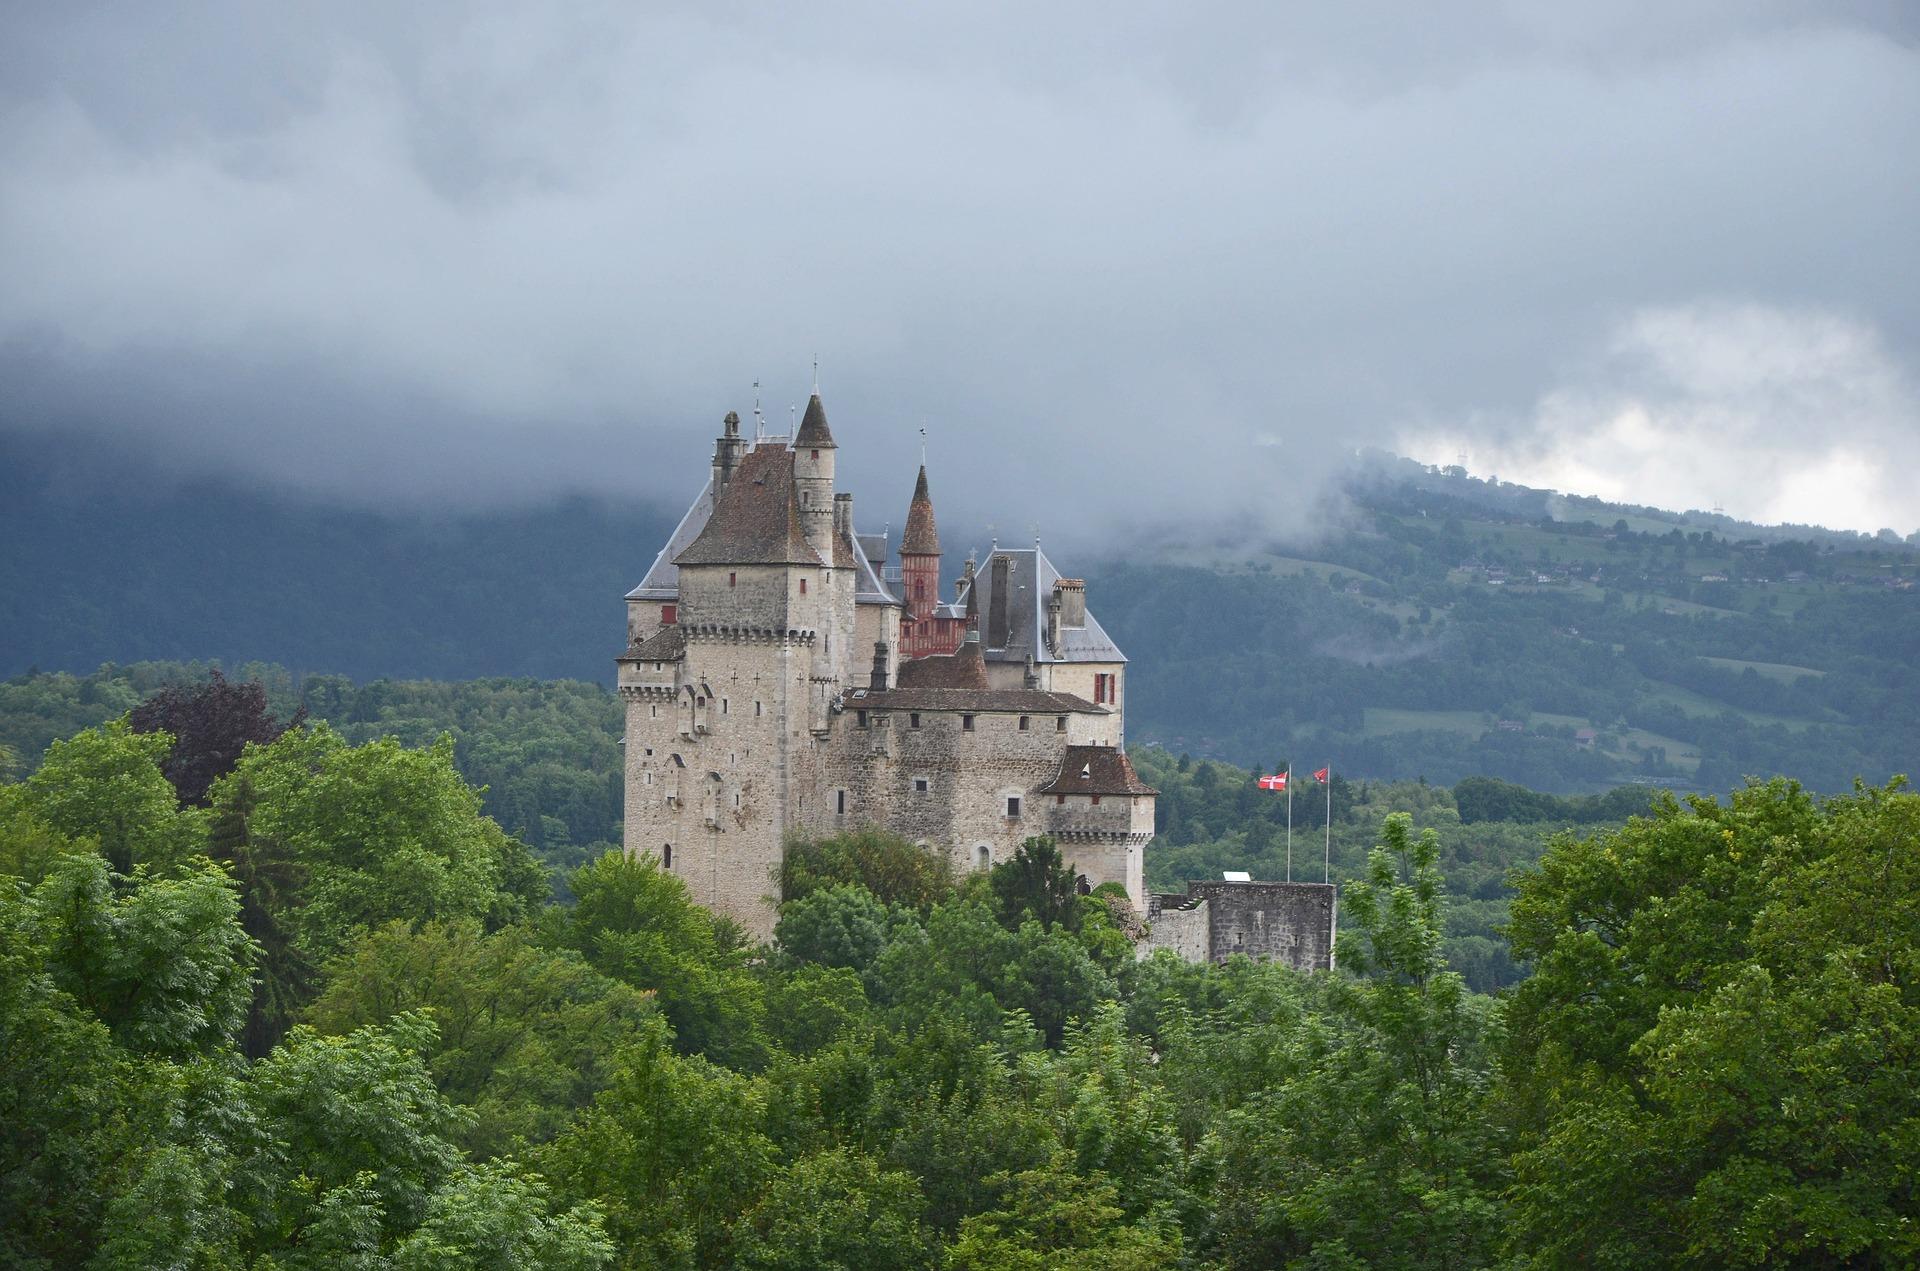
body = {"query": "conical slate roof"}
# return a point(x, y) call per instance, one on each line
point(922, 537)
point(814, 433)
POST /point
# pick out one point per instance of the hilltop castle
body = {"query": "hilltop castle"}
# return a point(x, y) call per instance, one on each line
point(784, 676)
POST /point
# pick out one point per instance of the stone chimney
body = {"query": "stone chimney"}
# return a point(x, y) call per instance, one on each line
point(1053, 622)
point(1071, 595)
point(727, 451)
point(878, 680)
point(999, 615)
point(842, 516)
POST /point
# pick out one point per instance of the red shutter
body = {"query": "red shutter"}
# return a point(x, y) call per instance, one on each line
point(669, 614)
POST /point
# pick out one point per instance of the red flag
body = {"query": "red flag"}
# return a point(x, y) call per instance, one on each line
point(1321, 776)
point(1278, 781)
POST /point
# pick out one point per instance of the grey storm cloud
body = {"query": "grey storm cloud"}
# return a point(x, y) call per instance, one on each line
point(1126, 265)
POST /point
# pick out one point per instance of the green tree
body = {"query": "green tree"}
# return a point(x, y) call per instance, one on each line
point(634, 921)
point(525, 1036)
point(1036, 882)
point(1715, 1061)
point(105, 784)
point(383, 832)
point(898, 872)
point(835, 1211)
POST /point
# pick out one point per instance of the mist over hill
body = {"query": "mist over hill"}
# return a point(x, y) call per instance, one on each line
point(1449, 627)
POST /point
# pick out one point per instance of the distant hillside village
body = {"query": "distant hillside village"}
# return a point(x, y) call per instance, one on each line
point(785, 674)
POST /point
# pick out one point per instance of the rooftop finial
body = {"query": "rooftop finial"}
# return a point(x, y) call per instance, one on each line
point(759, 420)
point(816, 375)
point(923, 445)
point(792, 427)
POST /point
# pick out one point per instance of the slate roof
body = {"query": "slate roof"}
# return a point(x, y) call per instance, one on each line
point(1030, 569)
point(814, 433)
point(1030, 701)
point(868, 589)
point(1096, 770)
point(756, 519)
point(964, 668)
point(922, 537)
point(662, 581)
point(667, 644)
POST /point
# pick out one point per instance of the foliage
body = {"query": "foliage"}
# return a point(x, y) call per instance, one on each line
point(382, 832)
point(1715, 1062)
point(1037, 884)
point(210, 725)
point(892, 869)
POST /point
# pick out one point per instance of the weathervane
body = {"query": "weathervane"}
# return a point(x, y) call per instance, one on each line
point(816, 375)
point(923, 445)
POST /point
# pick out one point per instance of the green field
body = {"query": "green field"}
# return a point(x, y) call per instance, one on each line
point(1779, 672)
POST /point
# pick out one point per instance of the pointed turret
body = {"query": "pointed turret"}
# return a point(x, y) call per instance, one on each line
point(814, 433)
point(922, 537)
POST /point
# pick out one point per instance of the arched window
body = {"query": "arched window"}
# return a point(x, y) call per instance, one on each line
point(666, 855)
point(983, 857)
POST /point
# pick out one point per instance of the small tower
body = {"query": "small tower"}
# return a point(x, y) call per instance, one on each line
point(813, 451)
point(727, 449)
point(920, 555)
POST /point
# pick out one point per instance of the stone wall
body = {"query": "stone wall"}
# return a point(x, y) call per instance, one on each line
point(1180, 924)
point(1290, 923)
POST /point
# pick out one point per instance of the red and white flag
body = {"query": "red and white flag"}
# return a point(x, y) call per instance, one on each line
point(1321, 775)
point(1278, 781)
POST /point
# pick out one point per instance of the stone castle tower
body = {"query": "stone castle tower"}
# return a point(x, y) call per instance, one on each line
point(783, 677)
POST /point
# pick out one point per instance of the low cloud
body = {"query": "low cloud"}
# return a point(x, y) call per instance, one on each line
point(1797, 416)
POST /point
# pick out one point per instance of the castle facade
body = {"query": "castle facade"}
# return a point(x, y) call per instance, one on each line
point(783, 676)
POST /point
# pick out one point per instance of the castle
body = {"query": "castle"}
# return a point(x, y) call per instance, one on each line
point(783, 676)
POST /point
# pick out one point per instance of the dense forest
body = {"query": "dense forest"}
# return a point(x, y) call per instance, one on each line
point(1438, 626)
point(275, 998)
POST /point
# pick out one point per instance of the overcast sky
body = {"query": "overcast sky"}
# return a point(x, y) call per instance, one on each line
point(1125, 264)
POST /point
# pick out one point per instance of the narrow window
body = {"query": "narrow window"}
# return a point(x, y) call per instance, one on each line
point(1013, 805)
point(803, 586)
point(1059, 723)
point(666, 856)
point(1024, 722)
point(1059, 799)
point(913, 719)
point(669, 614)
point(656, 712)
point(860, 719)
point(840, 802)
point(966, 723)
point(816, 454)
point(919, 589)
point(1096, 800)
point(984, 856)
point(736, 798)
point(723, 706)
point(1099, 689)
point(756, 710)
point(649, 778)
point(732, 579)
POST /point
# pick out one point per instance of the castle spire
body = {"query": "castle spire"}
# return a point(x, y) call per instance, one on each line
point(922, 536)
point(814, 433)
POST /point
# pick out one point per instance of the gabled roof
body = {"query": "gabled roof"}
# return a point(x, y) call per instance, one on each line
point(1096, 770)
point(663, 578)
point(1030, 580)
point(922, 537)
point(756, 519)
point(814, 433)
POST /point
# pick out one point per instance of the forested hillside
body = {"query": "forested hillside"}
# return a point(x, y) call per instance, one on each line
point(1442, 627)
point(331, 1018)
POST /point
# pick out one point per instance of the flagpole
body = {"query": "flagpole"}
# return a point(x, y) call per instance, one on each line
point(1326, 875)
point(1289, 822)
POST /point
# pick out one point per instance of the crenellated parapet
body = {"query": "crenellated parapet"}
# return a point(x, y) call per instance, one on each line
point(728, 633)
